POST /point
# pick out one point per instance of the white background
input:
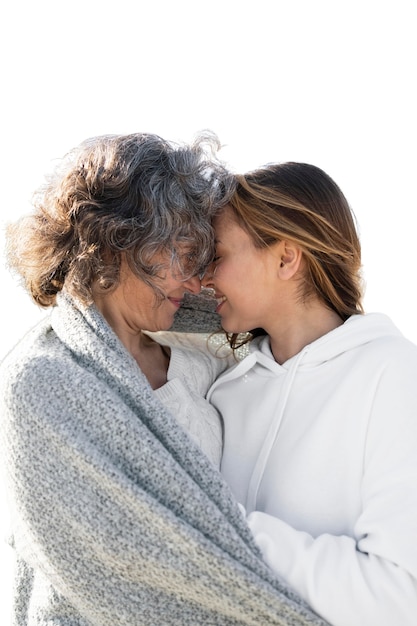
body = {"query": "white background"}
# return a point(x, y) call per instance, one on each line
point(327, 82)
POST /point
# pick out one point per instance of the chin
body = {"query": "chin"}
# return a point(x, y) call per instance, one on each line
point(229, 328)
point(234, 328)
point(163, 324)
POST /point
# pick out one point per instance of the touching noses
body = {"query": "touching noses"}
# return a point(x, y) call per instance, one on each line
point(193, 284)
point(207, 280)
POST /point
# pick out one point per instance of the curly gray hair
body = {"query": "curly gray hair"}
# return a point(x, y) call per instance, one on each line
point(135, 195)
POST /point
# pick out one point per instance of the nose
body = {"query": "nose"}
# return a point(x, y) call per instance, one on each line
point(207, 279)
point(193, 284)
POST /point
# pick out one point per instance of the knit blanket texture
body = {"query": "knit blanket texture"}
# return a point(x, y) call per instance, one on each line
point(118, 517)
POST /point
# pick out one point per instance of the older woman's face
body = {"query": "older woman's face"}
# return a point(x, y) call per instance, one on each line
point(134, 305)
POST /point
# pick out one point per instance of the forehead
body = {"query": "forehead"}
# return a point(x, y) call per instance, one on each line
point(224, 220)
point(230, 234)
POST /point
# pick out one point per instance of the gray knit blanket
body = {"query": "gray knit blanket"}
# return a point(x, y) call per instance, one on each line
point(118, 518)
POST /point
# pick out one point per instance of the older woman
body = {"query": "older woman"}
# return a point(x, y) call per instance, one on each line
point(118, 516)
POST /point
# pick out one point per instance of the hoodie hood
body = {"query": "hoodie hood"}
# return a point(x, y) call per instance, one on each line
point(356, 331)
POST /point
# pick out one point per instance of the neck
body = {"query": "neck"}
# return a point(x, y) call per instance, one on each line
point(300, 329)
point(152, 358)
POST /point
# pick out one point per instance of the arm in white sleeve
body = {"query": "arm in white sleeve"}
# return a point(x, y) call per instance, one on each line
point(371, 577)
point(345, 586)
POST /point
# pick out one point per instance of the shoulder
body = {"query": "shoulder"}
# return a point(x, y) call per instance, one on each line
point(213, 346)
point(372, 338)
point(29, 356)
point(391, 352)
point(40, 372)
point(198, 358)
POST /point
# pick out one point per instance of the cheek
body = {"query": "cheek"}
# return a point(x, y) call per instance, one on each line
point(225, 273)
point(237, 273)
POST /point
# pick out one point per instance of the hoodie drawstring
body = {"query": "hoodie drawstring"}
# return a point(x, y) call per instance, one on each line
point(271, 436)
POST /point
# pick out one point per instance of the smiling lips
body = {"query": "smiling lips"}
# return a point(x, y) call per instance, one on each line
point(176, 302)
point(220, 301)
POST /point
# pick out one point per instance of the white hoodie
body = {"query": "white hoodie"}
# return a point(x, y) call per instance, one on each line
point(322, 453)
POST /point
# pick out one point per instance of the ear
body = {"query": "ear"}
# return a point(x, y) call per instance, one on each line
point(290, 256)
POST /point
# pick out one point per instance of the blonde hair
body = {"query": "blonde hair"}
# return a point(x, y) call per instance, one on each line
point(301, 203)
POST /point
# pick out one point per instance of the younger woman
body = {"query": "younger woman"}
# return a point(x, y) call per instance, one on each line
point(320, 419)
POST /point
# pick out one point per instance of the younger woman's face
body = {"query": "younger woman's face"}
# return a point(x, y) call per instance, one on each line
point(244, 277)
